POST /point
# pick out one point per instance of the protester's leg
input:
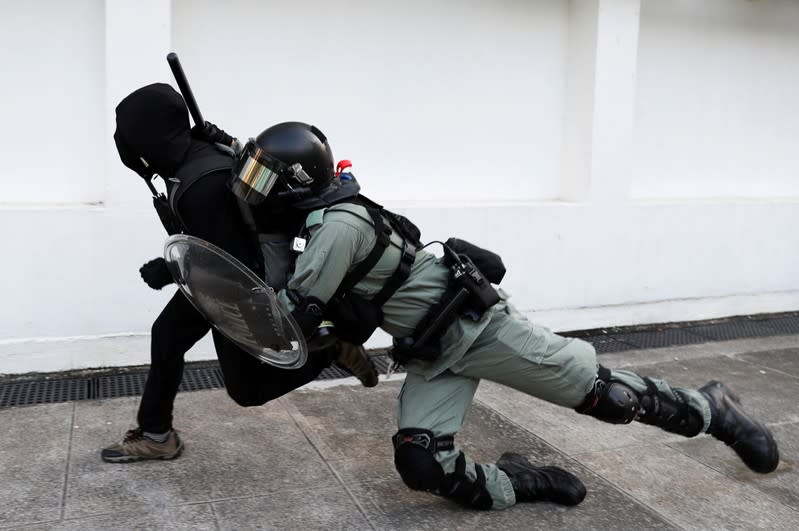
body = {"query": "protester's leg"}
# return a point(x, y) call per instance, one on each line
point(519, 354)
point(176, 329)
point(251, 382)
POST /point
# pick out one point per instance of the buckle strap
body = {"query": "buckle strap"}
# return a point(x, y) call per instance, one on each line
point(425, 439)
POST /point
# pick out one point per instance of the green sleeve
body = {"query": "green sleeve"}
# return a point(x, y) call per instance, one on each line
point(328, 257)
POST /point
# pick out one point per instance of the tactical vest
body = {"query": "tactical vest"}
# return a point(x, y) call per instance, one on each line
point(355, 317)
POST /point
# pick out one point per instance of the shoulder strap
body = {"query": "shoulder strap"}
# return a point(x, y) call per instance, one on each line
point(400, 275)
point(383, 239)
point(191, 173)
point(361, 270)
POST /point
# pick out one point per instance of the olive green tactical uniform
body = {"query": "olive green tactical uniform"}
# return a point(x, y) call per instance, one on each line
point(502, 346)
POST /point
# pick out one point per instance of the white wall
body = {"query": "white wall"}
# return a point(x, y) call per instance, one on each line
point(717, 104)
point(629, 159)
point(52, 98)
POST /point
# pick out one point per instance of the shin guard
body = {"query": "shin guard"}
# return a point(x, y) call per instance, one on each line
point(618, 403)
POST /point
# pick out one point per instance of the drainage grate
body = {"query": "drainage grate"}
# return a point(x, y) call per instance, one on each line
point(381, 361)
point(197, 379)
point(117, 385)
point(209, 376)
point(733, 330)
point(659, 338)
point(785, 325)
point(44, 391)
point(603, 344)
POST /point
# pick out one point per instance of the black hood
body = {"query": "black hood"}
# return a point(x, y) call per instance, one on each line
point(153, 124)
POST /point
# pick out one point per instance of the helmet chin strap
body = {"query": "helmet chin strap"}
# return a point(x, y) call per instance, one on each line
point(296, 194)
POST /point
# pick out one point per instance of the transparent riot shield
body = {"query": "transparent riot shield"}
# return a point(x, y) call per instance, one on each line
point(235, 301)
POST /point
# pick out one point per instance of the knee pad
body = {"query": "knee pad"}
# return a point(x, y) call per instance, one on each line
point(414, 457)
point(609, 401)
point(617, 403)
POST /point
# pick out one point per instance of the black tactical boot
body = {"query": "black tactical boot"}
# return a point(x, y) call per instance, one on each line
point(751, 440)
point(545, 483)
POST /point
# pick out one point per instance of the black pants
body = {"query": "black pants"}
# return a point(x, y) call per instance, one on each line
point(248, 381)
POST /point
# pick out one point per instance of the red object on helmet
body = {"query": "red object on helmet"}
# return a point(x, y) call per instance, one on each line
point(342, 165)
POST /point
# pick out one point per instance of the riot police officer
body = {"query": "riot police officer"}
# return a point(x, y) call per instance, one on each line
point(363, 267)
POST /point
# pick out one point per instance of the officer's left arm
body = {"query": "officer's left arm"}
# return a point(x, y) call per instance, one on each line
point(329, 255)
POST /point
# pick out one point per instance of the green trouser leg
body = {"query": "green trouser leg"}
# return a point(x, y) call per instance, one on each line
point(440, 405)
point(514, 352)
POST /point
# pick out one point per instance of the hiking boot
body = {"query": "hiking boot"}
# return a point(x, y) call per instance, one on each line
point(354, 359)
point(138, 447)
point(545, 483)
point(751, 440)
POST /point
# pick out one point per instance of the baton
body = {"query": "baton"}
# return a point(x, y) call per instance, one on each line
point(185, 89)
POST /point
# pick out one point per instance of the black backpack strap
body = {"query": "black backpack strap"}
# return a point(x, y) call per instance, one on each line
point(191, 173)
point(401, 274)
point(383, 239)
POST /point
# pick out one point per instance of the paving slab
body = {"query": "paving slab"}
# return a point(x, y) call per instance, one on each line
point(782, 484)
point(230, 452)
point(34, 449)
point(184, 517)
point(320, 508)
point(781, 360)
point(689, 493)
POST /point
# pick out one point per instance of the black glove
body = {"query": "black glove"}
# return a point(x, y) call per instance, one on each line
point(156, 274)
point(211, 133)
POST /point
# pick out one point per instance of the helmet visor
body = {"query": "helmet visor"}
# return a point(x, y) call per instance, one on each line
point(255, 174)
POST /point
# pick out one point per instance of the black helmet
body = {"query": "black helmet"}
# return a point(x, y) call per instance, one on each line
point(290, 159)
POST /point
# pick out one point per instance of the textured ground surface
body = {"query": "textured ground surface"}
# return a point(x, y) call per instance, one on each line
point(321, 458)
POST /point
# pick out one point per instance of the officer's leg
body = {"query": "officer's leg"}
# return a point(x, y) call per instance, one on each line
point(250, 382)
point(430, 413)
point(174, 332)
point(517, 353)
point(623, 396)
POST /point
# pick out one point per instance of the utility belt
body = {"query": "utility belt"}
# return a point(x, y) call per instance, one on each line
point(468, 295)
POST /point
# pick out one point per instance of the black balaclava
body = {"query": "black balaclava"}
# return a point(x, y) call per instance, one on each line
point(153, 125)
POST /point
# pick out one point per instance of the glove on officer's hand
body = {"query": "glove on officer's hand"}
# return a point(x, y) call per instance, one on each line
point(211, 133)
point(156, 274)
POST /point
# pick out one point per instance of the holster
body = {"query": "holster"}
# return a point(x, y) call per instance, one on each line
point(168, 219)
point(470, 294)
point(425, 343)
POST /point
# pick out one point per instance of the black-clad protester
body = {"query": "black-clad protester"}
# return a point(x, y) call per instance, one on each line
point(153, 137)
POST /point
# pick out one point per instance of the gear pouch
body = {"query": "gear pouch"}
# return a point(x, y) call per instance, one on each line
point(355, 318)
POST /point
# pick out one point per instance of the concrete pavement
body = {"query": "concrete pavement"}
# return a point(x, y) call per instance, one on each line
point(321, 458)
